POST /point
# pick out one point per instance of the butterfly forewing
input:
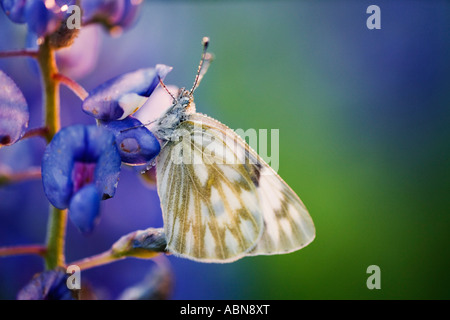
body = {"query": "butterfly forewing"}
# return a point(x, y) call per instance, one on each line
point(210, 204)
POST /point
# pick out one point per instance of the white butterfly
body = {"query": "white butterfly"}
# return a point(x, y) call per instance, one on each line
point(220, 200)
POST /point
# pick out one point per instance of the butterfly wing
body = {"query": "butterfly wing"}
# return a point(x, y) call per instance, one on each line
point(287, 224)
point(211, 210)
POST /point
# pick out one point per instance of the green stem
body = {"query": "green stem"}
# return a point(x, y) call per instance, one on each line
point(143, 244)
point(56, 230)
point(56, 234)
point(97, 260)
point(47, 62)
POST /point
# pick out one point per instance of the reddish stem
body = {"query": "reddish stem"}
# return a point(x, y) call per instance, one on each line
point(8, 177)
point(72, 85)
point(36, 132)
point(21, 250)
point(19, 53)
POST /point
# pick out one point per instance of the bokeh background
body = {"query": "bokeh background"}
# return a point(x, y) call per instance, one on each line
point(364, 126)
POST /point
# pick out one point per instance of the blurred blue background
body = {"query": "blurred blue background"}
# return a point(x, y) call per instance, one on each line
point(364, 140)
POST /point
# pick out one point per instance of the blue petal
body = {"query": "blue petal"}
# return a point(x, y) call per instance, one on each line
point(136, 144)
point(102, 144)
point(61, 3)
point(14, 9)
point(88, 144)
point(48, 285)
point(57, 164)
point(40, 19)
point(130, 14)
point(14, 113)
point(84, 208)
point(121, 96)
point(119, 13)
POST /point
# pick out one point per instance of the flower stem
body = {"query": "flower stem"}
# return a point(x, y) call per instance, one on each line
point(36, 132)
point(56, 234)
point(142, 244)
point(47, 63)
point(8, 177)
point(19, 53)
point(56, 230)
point(19, 250)
point(96, 260)
point(72, 85)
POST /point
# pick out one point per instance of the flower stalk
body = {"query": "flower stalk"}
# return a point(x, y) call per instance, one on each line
point(51, 112)
point(23, 250)
point(19, 53)
point(56, 238)
point(74, 86)
point(56, 230)
point(142, 244)
point(8, 177)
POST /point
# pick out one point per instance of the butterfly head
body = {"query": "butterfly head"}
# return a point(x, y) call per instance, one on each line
point(183, 104)
point(186, 101)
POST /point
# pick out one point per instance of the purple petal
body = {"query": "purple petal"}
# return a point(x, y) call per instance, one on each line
point(14, 9)
point(118, 13)
point(84, 208)
point(40, 19)
point(136, 144)
point(90, 145)
point(14, 113)
point(48, 285)
point(123, 95)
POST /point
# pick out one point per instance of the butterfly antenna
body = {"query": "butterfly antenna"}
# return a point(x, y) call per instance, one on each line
point(165, 88)
point(201, 71)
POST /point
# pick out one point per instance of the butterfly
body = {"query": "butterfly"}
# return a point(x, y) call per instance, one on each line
point(220, 200)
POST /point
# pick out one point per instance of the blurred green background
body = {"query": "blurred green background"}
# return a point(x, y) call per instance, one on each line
point(363, 118)
point(364, 134)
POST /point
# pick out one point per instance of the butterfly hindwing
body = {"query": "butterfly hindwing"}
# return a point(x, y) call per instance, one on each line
point(287, 224)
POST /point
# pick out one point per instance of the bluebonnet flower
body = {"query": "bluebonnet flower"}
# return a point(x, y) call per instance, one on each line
point(111, 13)
point(48, 285)
point(123, 95)
point(80, 167)
point(136, 144)
point(14, 114)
